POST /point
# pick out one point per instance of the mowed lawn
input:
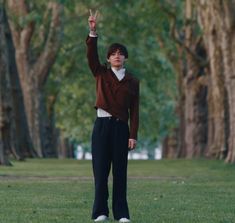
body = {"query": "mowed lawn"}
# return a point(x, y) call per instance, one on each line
point(166, 191)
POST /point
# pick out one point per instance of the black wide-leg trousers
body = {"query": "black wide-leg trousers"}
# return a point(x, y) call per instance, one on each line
point(110, 147)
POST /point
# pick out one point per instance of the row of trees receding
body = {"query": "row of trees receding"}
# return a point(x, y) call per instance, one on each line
point(206, 71)
point(204, 67)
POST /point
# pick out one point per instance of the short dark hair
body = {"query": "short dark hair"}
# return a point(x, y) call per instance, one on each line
point(115, 47)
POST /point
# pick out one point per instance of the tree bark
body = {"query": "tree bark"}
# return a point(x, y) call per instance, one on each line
point(216, 120)
point(217, 18)
point(33, 75)
point(5, 105)
point(192, 84)
point(51, 133)
point(227, 31)
point(169, 145)
point(21, 134)
point(195, 89)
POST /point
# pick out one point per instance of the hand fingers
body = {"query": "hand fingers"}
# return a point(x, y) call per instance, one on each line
point(91, 18)
point(91, 14)
point(96, 14)
point(131, 144)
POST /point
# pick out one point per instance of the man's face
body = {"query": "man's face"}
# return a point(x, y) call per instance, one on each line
point(117, 59)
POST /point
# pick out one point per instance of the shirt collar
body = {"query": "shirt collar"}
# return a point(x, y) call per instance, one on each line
point(119, 72)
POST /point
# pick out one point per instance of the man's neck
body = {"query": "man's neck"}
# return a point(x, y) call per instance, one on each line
point(117, 68)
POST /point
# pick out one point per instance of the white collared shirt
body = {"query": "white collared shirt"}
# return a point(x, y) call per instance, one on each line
point(119, 73)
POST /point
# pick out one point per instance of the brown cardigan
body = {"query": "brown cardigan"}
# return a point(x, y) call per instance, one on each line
point(119, 98)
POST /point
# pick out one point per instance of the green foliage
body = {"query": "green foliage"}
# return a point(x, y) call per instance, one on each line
point(137, 24)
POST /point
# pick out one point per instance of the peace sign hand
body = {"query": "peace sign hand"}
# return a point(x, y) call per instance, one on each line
point(92, 20)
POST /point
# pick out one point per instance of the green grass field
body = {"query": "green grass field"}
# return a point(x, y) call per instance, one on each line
point(166, 191)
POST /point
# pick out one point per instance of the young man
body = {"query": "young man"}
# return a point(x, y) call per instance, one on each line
point(117, 100)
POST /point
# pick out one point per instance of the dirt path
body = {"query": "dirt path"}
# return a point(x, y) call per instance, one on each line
point(79, 178)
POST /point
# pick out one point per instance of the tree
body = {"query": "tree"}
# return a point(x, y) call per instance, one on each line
point(207, 83)
point(193, 86)
point(190, 68)
point(5, 102)
point(217, 21)
point(34, 57)
point(216, 90)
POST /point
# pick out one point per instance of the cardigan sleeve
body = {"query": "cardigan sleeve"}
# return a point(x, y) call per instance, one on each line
point(134, 113)
point(93, 57)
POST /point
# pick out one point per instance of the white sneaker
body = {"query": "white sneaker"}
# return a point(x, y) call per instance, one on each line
point(124, 220)
point(101, 218)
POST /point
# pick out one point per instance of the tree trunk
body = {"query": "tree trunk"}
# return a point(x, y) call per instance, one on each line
point(216, 100)
point(33, 75)
point(62, 146)
point(21, 133)
point(181, 149)
point(227, 31)
point(217, 19)
point(51, 134)
point(194, 86)
point(5, 105)
point(169, 145)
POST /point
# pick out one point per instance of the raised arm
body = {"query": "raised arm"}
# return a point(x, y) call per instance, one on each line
point(92, 52)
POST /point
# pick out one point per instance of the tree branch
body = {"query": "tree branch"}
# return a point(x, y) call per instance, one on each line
point(48, 55)
point(175, 35)
point(21, 35)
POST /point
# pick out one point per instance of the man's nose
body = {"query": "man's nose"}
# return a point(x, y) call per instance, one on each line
point(117, 55)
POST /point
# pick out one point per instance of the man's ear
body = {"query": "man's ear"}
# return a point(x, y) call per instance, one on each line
point(108, 60)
